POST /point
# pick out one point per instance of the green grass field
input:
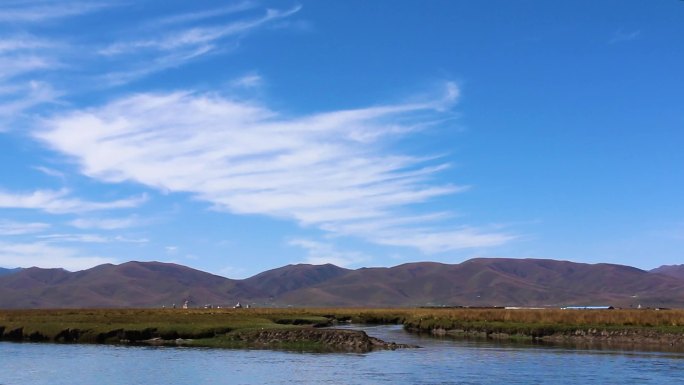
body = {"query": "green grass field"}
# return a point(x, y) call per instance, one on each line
point(221, 327)
point(113, 325)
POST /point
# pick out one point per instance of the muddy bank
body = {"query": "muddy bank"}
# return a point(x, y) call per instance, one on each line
point(330, 339)
point(305, 338)
point(620, 337)
point(593, 336)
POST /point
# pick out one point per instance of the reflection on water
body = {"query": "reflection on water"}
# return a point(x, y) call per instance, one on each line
point(439, 361)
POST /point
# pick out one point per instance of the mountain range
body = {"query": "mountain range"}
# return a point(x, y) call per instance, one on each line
point(676, 271)
point(476, 282)
point(7, 271)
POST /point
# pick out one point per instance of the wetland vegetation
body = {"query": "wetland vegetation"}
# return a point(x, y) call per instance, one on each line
point(302, 329)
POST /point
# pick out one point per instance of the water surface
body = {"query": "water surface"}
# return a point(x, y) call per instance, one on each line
point(439, 361)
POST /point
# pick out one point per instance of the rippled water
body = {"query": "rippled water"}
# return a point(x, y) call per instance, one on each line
point(437, 362)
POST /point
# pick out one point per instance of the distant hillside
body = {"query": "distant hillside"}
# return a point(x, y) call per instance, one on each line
point(676, 271)
point(4, 271)
point(499, 282)
point(132, 284)
point(273, 283)
point(477, 282)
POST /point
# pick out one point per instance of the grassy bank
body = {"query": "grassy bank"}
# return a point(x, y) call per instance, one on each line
point(135, 325)
point(254, 327)
point(619, 326)
point(227, 328)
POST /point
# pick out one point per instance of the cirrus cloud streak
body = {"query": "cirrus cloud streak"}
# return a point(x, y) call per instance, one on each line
point(60, 202)
point(47, 256)
point(335, 171)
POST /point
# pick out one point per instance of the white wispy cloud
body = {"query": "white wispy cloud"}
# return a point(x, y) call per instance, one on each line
point(89, 238)
point(42, 10)
point(108, 223)
point(60, 202)
point(436, 241)
point(233, 272)
point(21, 228)
point(120, 238)
point(35, 94)
point(424, 232)
point(22, 57)
point(251, 80)
point(204, 14)
point(195, 37)
point(38, 68)
point(12, 66)
point(173, 47)
point(142, 68)
point(330, 170)
point(319, 253)
point(47, 256)
point(79, 238)
point(50, 171)
point(623, 36)
point(23, 42)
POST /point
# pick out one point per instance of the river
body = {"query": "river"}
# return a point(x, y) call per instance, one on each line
point(438, 361)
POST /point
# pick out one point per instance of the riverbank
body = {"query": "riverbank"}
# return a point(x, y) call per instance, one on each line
point(220, 328)
point(301, 329)
point(648, 328)
point(299, 339)
point(577, 335)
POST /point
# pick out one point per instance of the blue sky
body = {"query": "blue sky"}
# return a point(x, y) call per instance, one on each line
point(240, 136)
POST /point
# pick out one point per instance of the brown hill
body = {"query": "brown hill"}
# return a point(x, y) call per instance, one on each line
point(477, 282)
point(273, 283)
point(132, 284)
point(495, 282)
point(676, 271)
point(4, 271)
